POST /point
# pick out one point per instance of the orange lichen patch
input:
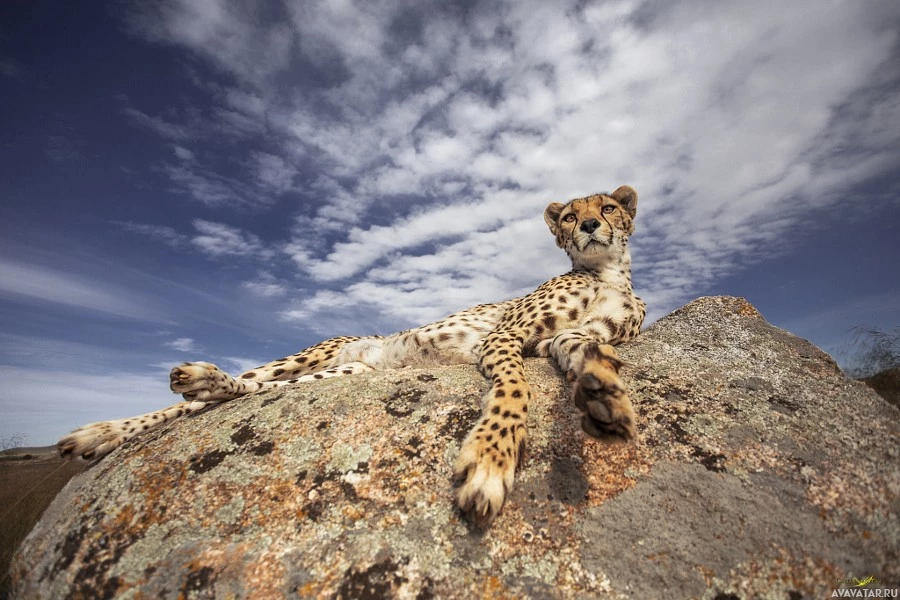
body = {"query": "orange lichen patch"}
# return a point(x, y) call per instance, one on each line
point(745, 309)
point(310, 590)
point(837, 490)
point(264, 577)
point(491, 588)
point(126, 518)
point(354, 513)
point(781, 575)
point(613, 468)
point(158, 486)
point(755, 456)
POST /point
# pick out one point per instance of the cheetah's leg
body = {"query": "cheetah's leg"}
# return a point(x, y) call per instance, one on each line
point(321, 356)
point(493, 449)
point(597, 388)
point(203, 385)
point(205, 381)
point(99, 439)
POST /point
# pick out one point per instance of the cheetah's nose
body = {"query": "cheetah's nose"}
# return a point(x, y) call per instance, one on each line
point(590, 225)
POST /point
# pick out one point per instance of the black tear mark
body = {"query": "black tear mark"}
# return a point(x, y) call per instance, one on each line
point(201, 463)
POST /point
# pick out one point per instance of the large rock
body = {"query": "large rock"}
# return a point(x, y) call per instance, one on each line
point(760, 471)
point(887, 384)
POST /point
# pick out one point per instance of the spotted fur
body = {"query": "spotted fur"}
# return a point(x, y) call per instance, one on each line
point(575, 318)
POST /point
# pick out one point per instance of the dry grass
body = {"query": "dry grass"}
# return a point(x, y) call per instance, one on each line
point(27, 486)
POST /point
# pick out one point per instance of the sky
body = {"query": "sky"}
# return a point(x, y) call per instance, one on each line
point(234, 181)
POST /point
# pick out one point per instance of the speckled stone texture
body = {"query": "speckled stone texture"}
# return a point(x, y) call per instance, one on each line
point(760, 471)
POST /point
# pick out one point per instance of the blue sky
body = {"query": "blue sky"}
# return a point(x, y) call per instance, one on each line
point(187, 180)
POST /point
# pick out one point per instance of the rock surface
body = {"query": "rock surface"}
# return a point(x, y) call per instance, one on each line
point(760, 471)
point(887, 384)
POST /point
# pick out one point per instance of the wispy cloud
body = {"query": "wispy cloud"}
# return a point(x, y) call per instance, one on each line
point(240, 364)
point(184, 345)
point(266, 285)
point(438, 136)
point(183, 153)
point(11, 69)
point(162, 233)
point(219, 239)
point(215, 240)
point(206, 185)
point(19, 280)
point(163, 128)
point(64, 148)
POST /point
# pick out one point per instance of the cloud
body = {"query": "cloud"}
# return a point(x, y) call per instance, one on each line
point(64, 148)
point(184, 345)
point(266, 285)
point(205, 184)
point(273, 172)
point(219, 240)
point(162, 233)
point(225, 34)
point(11, 69)
point(161, 127)
point(240, 364)
point(437, 137)
point(19, 281)
point(215, 240)
point(183, 153)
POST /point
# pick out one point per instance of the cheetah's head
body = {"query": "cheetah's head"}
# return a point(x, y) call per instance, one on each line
point(594, 229)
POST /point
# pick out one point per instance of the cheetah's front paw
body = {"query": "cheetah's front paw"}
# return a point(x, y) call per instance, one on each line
point(486, 474)
point(604, 399)
point(203, 382)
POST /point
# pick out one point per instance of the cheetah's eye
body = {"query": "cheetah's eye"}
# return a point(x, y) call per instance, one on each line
point(609, 209)
point(569, 218)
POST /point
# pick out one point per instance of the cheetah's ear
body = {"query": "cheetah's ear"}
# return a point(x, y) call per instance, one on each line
point(551, 215)
point(627, 197)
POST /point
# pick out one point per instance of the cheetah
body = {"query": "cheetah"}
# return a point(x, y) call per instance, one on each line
point(575, 318)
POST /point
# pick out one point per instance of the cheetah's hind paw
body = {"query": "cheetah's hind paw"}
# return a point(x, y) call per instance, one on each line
point(94, 441)
point(202, 382)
